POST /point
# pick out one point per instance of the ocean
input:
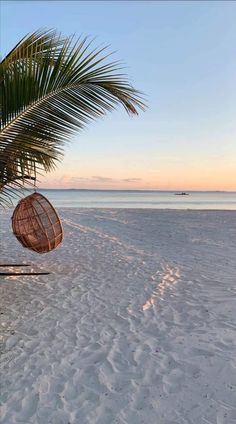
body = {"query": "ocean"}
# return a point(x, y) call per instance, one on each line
point(140, 199)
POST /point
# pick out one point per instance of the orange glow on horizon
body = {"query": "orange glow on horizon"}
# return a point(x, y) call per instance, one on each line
point(203, 180)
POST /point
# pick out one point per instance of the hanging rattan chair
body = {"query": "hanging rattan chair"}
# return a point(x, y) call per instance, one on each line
point(36, 224)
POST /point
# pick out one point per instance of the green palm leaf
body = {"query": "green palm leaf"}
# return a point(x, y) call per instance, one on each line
point(51, 88)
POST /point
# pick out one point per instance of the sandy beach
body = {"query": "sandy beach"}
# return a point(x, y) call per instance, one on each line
point(135, 324)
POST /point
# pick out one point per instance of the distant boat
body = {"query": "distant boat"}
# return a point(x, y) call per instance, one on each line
point(181, 194)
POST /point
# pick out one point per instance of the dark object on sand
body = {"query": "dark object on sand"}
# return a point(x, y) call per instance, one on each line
point(20, 273)
point(23, 273)
point(36, 224)
point(10, 265)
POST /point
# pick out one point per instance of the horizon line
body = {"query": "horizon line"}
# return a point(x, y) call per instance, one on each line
point(139, 190)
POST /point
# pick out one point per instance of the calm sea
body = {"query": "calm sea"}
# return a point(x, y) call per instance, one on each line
point(140, 199)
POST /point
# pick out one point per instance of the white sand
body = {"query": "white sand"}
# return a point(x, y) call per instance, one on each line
point(136, 324)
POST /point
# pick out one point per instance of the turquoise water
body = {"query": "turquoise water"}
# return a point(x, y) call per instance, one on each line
point(140, 199)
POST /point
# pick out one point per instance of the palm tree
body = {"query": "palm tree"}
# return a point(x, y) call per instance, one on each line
point(51, 87)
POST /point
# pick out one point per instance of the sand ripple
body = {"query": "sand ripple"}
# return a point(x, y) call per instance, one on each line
point(136, 324)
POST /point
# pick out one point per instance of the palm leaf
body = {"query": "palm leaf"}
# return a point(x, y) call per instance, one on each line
point(34, 45)
point(51, 88)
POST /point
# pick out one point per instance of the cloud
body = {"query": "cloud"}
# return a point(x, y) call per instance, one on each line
point(100, 179)
point(131, 180)
point(77, 179)
point(93, 181)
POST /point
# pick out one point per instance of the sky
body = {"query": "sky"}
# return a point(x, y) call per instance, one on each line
point(182, 56)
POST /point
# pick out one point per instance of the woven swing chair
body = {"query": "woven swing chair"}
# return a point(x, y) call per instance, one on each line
point(36, 224)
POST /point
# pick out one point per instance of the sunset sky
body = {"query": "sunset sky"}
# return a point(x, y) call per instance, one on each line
point(182, 55)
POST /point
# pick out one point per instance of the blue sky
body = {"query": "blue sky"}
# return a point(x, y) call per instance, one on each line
point(182, 55)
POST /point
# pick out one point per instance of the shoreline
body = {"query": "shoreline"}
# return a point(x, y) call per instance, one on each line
point(130, 209)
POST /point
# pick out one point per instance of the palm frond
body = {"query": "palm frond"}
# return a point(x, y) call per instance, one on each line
point(51, 88)
point(34, 45)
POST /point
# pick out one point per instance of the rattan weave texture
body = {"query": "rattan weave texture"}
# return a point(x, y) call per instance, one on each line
point(36, 224)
